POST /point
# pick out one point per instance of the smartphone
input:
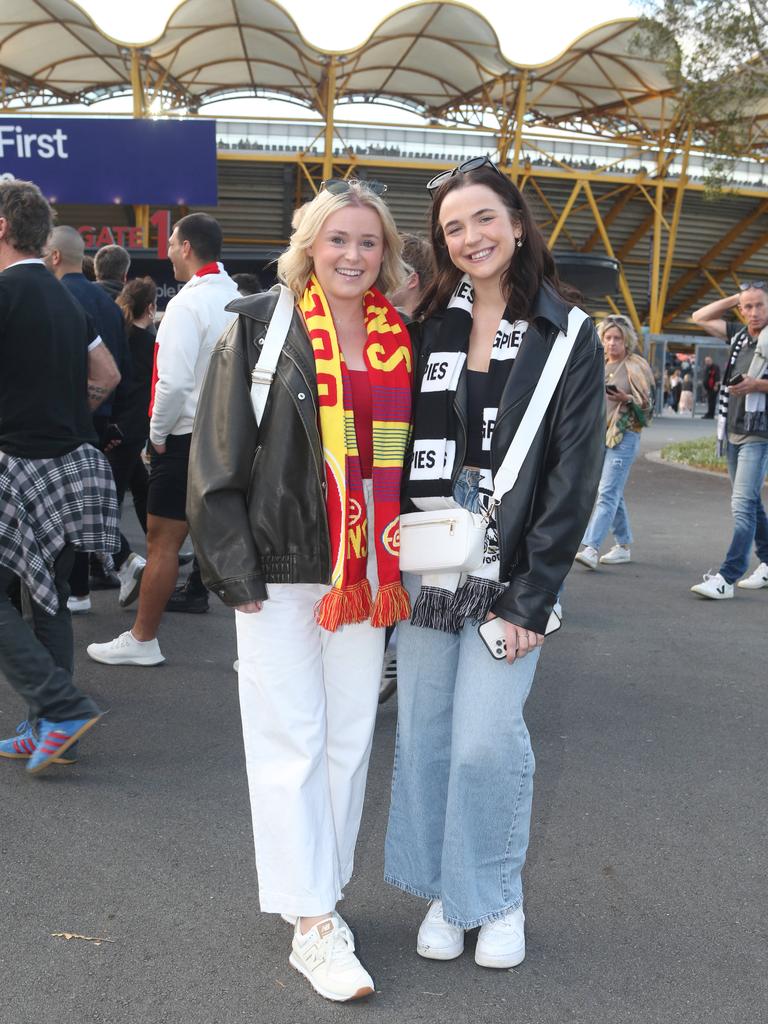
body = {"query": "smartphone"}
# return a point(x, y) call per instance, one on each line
point(611, 389)
point(737, 378)
point(493, 634)
point(112, 433)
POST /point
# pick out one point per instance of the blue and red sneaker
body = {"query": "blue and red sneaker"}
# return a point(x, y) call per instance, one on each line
point(23, 745)
point(54, 738)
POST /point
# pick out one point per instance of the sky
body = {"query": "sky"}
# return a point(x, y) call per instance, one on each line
point(530, 33)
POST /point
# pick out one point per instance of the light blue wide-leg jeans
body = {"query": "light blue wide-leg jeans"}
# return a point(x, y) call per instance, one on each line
point(610, 511)
point(462, 783)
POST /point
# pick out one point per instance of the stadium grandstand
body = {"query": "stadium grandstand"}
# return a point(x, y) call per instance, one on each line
point(595, 137)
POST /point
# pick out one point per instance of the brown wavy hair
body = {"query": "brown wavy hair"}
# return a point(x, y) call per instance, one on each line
point(528, 269)
point(136, 298)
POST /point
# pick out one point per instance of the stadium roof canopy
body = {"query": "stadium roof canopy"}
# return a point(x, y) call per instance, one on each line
point(595, 136)
point(443, 60)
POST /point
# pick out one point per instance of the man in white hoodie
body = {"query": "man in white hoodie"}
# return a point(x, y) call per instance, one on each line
point(194, 321)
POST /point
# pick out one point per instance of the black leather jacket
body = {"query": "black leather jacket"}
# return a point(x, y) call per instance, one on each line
point(542, 520)
point(256, 496)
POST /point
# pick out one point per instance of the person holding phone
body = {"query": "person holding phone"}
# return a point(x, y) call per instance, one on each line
point(463, 777)
point(629, 404)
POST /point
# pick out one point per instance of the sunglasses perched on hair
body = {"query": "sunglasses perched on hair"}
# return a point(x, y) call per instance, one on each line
point(753, 284)
point(617, 318)
point(338, 186)
point(469, 165)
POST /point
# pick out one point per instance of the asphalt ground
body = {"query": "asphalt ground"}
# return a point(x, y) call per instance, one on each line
point(646, 877)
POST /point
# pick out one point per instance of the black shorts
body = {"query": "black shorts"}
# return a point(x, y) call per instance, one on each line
point(167, 494)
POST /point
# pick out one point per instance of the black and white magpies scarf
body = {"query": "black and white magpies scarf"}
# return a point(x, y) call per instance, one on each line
point(755, 404)
point(446, 600)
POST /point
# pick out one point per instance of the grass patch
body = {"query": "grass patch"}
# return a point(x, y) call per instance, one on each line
point(700, 454)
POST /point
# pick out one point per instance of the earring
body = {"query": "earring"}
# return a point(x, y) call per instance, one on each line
point(519, 243)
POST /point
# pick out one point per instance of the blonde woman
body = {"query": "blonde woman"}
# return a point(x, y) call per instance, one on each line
point(296, 526)
point(629, 402)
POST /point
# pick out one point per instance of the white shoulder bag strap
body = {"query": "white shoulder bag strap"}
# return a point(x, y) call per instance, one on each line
point(264, 370)
point(510, 468)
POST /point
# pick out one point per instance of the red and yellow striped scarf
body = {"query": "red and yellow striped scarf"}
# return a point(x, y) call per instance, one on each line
point(389, 362)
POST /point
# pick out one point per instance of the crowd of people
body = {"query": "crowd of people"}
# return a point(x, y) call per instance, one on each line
point(387, 384)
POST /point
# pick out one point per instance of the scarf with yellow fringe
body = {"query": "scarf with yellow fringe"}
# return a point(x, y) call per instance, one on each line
point(389, 362)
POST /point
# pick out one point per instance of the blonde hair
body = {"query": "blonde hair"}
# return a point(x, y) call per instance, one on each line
point(625, 326)
point(295, 266)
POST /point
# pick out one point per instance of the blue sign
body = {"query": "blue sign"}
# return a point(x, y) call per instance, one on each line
point(109, 160)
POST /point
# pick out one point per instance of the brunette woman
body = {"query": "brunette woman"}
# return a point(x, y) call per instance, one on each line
point(463, 778)
point(295, 523)
point(130, 427)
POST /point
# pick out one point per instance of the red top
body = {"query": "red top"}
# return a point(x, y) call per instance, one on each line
point(361, 403)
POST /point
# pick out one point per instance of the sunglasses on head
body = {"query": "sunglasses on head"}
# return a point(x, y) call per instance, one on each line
point(753, 284)
point(338, 186)
point(617, 318)
point(469, 165)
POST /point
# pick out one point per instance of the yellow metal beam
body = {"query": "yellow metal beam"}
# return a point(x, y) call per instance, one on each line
point(137, 86)
point(712, 253)
point(627, 295)
point(564, 215)
point(759, 243)
point(522, 99)
point(609, 217)
point(330, 104)
point(657, 322)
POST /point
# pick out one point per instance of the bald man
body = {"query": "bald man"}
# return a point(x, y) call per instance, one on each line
point(64, 258)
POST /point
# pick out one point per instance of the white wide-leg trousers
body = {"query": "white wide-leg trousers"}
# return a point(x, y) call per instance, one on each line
point(308, 700)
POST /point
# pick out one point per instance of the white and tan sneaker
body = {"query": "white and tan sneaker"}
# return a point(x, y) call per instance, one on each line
point(502, 943)
point(618, 553)
point(756, 580)
point(326, 958)
point(588, 557)
point(437, 939)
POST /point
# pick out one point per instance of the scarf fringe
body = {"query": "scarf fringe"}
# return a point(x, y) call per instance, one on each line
point(433, 609)
point(344, 607)
point(391, 606)
point(476, 598)
point(756, 422)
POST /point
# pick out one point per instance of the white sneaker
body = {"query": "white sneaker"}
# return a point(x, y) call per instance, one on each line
point(129, 575)
point(757, 580)
point(79, 605)
point(326, 958)
point(618, 553)
point(127, 650)
point(588, 556)
point(502, 943)
point(713, 586)
point(437, 939)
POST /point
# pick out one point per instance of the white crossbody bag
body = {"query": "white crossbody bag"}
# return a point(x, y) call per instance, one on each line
point(452, 540)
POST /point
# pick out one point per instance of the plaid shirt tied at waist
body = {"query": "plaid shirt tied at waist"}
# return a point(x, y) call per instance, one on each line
point(46, 504)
